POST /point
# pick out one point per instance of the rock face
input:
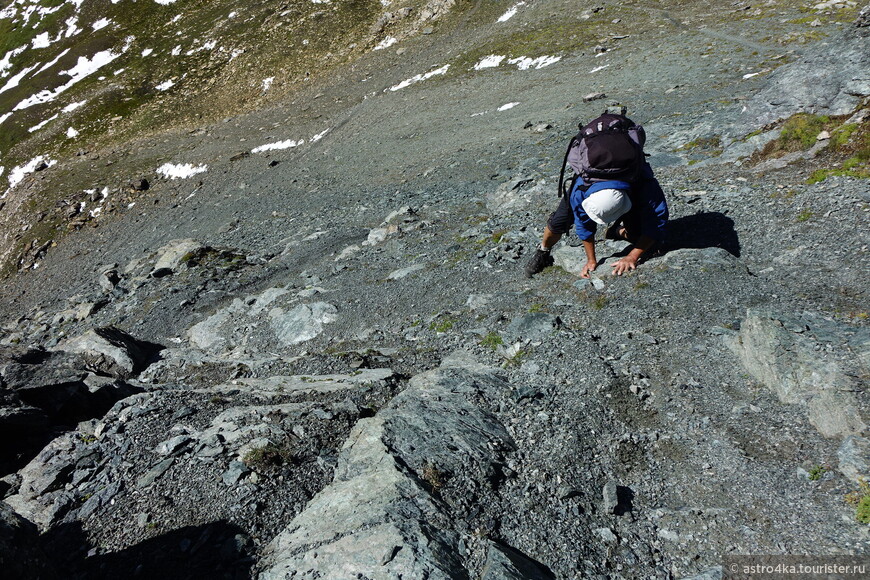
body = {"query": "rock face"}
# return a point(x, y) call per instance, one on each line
point(808, 361)
point(381, 516)
point(113, 352)
point(823, 82)
point(42, 391)
point(271, 315)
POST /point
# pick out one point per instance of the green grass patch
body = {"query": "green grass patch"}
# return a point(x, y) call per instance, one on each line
point(492, 340)
point(804, 216)
point(442, 325)
point(800, 131)
point(860, 499)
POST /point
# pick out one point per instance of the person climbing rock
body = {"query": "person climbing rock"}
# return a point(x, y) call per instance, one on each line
point(613, 186)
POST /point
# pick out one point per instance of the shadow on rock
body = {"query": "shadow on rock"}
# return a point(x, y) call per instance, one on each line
point(703, 230)
point(625, 498)
point(218, 550)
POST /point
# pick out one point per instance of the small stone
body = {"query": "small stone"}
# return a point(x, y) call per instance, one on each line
point(594, 96)
point(567, 492)
point(236, 471)
point(154, 473)
point(598, 284)
point(142, 520)
point(823, 136)
point(607, 536)
point(174, 446)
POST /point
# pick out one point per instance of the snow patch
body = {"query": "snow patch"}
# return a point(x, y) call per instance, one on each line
point(71, 133)
point(176, 51)
point(420, 77)
point(288, 144)
point(507, 106)
point(147, 52)
point(598, 68)
point(6, 61)
point(18, 173)
point(490, 61)
point(166, 85)
point(319, 136)
point(386, 43)
point(511, 12)
point(525, 63)
point(72, 27)
point(101, 23)
point(41, 41)
point(53, 62)
point(4, 116)
point(181, 170)
point(39, 126)
point(83, 68)
point(13, 82)
point(165, 2)
point(73, 106)
point(267, 83)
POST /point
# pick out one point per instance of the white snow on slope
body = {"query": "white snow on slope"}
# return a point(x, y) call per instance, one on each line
point(83, 68)
point(4, 116)
point(511, 12)
point(421, 77)
point(53, 62)
point(101, 23)
point(165, 85)
point(73, 106)
point(165, 2)
point(18, 173)
point(521, 62)
point(490, 61)
point(288, 144)
point(507, 106)
point(6, 61)
point(72, 133)
point(525, 63)
point(41, 41)
point(13, 81)
point(386, 43)
point(39, 126)
point(181, 170)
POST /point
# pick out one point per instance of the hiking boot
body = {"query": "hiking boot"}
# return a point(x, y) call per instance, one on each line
point(539, 261)
point(615, 232)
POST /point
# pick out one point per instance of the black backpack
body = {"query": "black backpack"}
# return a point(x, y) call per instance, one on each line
point(609, 147)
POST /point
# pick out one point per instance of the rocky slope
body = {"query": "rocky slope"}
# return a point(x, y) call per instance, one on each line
point(315, 356)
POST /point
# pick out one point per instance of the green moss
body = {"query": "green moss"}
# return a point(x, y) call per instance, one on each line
point(442, 325)
point(492, 340)
point(803, 129)
point(860, 499)
point(853, 167)
point(804, 216)
point(817, 472)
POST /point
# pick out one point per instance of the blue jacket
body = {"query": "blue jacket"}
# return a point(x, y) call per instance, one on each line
point(648, 205)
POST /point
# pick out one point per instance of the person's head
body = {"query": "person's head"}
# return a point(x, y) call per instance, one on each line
point(605, 206)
